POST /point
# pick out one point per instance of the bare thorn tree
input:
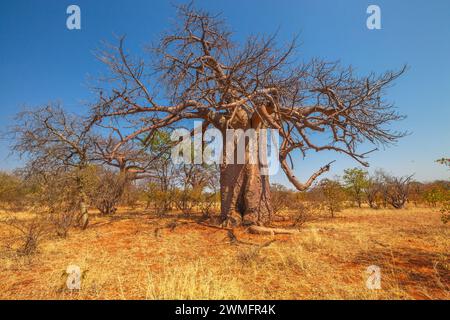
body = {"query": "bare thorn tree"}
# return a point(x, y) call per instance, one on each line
point(397, 190)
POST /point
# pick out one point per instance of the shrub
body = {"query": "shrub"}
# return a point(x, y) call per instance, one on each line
point(356, 181)
point(208, 203)
point(187, 199)
point(107, 190)
point(30, 233)
point(131, 196)
point(434, 196)
point(304, 212)
point(445, 212)
point(55, 199)
point(333, 195)
point(13, 192)
point(373, 190)
point(280, 197)
point(62, 221)
point(397, 190)
point(160, 199)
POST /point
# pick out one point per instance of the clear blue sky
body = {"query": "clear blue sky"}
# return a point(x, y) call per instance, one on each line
point(42, 61)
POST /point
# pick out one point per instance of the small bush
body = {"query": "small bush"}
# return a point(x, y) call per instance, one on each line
point(397, 190)
point(304, 212)
point(332, 195)
point(280, 197)
point(208, 203)
point(445, 212)
point(186, 200)
point(434, 196)
point(54, 199)
point(13, 192)
point(62, 221)
point(30, 233)
point(107, 190)
point(161, 200)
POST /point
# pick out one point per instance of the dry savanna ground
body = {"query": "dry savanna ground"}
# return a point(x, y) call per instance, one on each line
point(129, 256)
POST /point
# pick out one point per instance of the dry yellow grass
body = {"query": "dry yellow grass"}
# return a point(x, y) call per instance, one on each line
point(122, 258)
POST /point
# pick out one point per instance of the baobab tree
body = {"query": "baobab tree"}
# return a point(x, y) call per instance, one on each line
point(129, 158)
point(197, 71)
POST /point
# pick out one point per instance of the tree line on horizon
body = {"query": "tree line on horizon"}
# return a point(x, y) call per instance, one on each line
point(193, 191)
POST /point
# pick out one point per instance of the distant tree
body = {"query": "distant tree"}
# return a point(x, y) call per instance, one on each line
point(397, 190)
point(157, 198)
point(163, 178)
point(380, 176)
point(444, 161)
point(356, 181)
point(416, 193)
point(194, 181)
point(133, 194)
point(208, 203)
point(12, 191)
point(333, 195)
point(446, 205)
point(434, 194)
point(372, 191)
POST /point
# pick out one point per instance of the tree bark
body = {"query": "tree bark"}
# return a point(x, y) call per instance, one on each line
point(84, 215)
point(245, 195)
point(245, 192)
point(83, 219)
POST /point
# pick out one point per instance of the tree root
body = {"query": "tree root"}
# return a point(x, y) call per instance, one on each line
point(220, 227)
point(279, 218)
point(256, 229)
point(271, 231)
point(171, 225)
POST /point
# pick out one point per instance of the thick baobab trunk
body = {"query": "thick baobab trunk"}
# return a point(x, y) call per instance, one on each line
point(245, 195)
point(245, 192)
